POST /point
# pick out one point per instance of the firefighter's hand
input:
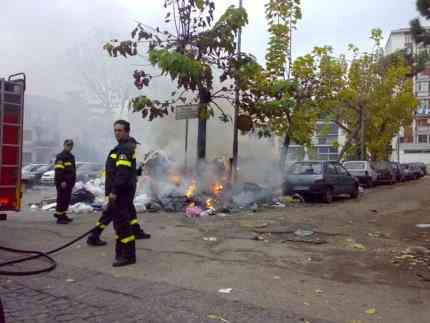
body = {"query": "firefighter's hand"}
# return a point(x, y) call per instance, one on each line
point(112, 197)
point(63, 185)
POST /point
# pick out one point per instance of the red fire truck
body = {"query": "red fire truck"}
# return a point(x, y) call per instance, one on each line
point(11, 132)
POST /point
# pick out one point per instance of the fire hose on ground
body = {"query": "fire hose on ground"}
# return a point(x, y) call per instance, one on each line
point(35, 255)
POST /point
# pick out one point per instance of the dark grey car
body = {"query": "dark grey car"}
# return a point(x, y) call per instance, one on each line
point(324, 179)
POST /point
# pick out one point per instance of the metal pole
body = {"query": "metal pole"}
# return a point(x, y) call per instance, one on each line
point(186, 144)
point(237, 106)
point(398, 148)
point(362, 157)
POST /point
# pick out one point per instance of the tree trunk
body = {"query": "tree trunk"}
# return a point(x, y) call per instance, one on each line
point(284, 151)
point(205, 97)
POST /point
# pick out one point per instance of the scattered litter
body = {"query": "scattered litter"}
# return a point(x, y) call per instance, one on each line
point(49, 207)
point(307, 304)
point(418, 250)
point(82, 196)
point(423, 226)
point(312, 240)
point(34, 207)
point(319, 291)
point(209, 212)
point(350, 243)
point(276, 277)
point(217, 318)
point(260, 238)
point(80, 208)
point(359, 246)
point(371, 311)
point(375, 235)
point(303, 233)
point(225, 290)
point(70, 280)
point(211, 239)
point(193, 212)
point(423, 277)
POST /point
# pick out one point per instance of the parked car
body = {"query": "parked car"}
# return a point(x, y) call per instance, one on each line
point(363, 171)
point(324, 179)
point(416, 170)
point(88, 171)
point(385, 170)
point(421, 166)
point(407, 172)
point(84, 172)
point(397, 171)
point(32, 173)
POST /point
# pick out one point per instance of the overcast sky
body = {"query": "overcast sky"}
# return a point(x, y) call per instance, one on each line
point(34, 35)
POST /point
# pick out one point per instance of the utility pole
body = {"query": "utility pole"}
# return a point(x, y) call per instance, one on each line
point(237, 106)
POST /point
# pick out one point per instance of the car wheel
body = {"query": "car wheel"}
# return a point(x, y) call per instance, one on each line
point(355, 193)
point(328, 195)
point(370, 183)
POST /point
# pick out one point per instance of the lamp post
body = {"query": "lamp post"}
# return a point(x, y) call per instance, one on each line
point(237, 106)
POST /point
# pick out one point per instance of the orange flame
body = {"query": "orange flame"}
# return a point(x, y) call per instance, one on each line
point(217, 188)
point(210, 204)
point(175, 179)
point(191, 190)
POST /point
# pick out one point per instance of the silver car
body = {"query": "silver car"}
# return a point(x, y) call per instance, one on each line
point(363, 171)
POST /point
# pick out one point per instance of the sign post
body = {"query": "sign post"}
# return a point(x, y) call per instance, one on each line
point(187, 112)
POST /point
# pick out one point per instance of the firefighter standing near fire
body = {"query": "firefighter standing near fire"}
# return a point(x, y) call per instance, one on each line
point(107, 216)
point(120, 182)
point(65, 178)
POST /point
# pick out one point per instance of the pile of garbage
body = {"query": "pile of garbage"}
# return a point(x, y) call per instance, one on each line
point(167, 187)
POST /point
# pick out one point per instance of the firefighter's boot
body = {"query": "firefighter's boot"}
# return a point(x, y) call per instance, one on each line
point(141, 235)
point(125, 254)
point(95, 241)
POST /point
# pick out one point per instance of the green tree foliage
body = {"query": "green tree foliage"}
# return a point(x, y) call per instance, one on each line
point(421, 35)
point(278, 104)
point(369, 88)
point(199, 47)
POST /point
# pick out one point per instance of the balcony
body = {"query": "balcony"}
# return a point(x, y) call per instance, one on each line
point(423, 129)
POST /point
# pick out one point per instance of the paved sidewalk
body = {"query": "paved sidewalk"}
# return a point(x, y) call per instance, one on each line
point(69, 294)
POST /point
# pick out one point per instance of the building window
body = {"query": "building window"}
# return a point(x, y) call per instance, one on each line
point(423, 107)
point(408, 39)
point(327, 153)
point(423, 86)
point(422, 139)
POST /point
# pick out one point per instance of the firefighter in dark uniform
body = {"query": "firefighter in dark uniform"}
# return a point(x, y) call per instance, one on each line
point(65, 178)
point(107, 216)
point(120, 178)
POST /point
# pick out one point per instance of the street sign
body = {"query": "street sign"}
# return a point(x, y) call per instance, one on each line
point(190, 111)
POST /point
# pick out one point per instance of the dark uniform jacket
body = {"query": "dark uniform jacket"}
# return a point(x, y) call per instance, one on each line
point(65, 168)
point(120, 170)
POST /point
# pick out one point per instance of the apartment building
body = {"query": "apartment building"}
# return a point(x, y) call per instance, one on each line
point(413, 142)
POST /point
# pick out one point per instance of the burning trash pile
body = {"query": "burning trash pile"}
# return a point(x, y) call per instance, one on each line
point(204, 192)
point(167, 187)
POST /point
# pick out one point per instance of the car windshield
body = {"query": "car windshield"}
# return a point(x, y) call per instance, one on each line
point(306, 169)
point(31, 168)
point(354, 165)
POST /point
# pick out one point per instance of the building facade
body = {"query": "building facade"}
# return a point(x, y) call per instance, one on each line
point(413, 142)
